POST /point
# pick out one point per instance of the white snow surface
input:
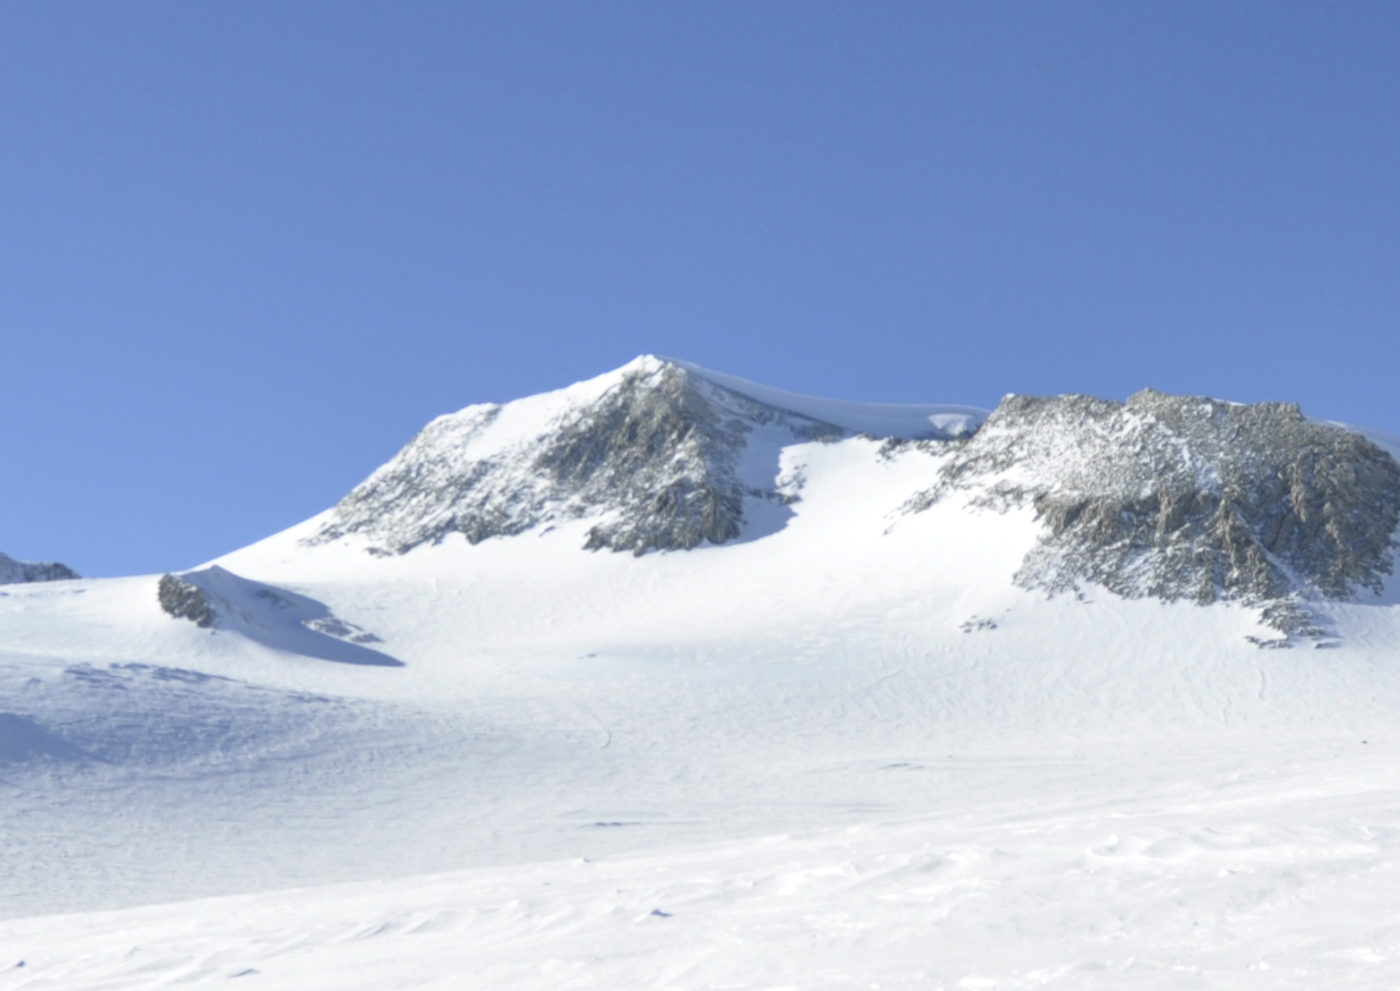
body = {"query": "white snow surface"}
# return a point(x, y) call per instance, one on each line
point(845, 753)
point(905, 420)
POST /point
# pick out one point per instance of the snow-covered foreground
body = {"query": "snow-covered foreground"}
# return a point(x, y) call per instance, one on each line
point(842, 751)
point(1281, 877)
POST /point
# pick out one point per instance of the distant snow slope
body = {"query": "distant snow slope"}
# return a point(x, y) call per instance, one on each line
point(840, 746)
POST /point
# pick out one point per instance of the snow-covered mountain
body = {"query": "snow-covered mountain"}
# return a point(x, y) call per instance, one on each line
point(1172, 497)
point(659, 455)
point(922, 696)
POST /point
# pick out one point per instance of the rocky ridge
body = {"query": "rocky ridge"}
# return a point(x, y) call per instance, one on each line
point(1171, 497)
point(662, 459)
point(12, 571)
point(1180, 497)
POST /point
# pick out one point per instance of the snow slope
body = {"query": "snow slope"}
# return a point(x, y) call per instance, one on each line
point(1243, 883)
point(844, 749)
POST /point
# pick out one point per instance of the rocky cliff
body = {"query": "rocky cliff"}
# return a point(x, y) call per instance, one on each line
point(1181, 497)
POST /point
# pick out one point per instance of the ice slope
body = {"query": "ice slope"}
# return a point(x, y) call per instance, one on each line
point(847, 751)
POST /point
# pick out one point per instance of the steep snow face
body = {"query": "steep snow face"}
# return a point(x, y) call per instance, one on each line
point(1183, 497)
point(12, 571)
point(659, 455)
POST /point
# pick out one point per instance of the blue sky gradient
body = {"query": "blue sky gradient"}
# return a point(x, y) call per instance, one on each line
point(249, 248)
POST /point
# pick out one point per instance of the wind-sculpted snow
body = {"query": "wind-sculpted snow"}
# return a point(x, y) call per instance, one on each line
point(663, 458)
point(23, 740)
point(12, 571)
point(1185, 498)
point(142, 715)
point(274, 617)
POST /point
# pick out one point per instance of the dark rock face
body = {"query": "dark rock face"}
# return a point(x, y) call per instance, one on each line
point(658, 459)
point(184, 600)
point(663, 451)
point(12, 571)
point(1180, 497)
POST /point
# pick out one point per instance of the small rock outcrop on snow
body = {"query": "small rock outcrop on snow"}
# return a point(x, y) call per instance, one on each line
point(213, 598)
point(13, 572)
point(1179, 497)
point(184, 600)
point(663, 457)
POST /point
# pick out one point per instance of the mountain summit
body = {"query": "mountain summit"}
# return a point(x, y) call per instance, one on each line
point(664, 455)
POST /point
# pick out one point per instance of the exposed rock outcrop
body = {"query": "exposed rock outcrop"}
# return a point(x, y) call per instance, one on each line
point(660, 459)
point(12, 571)
point(184, 600)
point(213, 598)
point(1180, 497)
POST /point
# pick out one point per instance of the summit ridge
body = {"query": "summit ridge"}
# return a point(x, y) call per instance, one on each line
point(1161, 496)
point(665, 455)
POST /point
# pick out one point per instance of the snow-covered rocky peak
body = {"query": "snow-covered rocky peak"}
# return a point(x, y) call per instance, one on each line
point(12, 571)
point(1184, 497)
point(662, 454)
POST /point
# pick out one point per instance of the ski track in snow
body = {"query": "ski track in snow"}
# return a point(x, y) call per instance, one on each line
point(847, 753)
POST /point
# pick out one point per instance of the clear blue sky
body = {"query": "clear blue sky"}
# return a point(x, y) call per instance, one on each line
point(249, 248)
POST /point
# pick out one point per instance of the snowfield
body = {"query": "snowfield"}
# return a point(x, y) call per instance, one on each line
point(844, 750)
point(1281, 878)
